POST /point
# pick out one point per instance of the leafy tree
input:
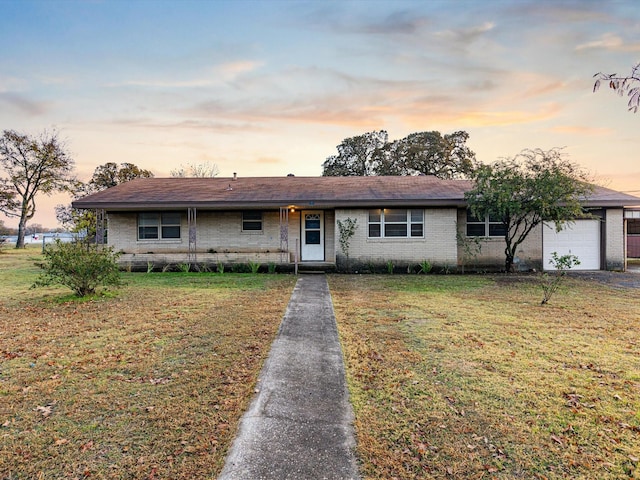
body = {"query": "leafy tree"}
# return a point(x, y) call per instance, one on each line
point(33, 165)
point(110, 174)
point(526, 190)
point(622, 85)
point(82, 268)
point(428, 153)
point(200, 170)
point(104, 176)
point(357, 156)
point(8, 197)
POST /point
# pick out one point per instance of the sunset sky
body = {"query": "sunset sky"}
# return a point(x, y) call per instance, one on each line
point(267, 88)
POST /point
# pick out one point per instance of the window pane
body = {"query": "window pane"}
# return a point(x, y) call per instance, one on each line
point(395, 230)
point(312, 237)
point(312, 223)
point(393, 216)
point(416, 216)
point(170, 232)
point(496, 230)
point(171, 218)
point(148, 225)
point(145, 219)
point(147, 232)
point(252, 215)
point(374, 216)
point(252, 221)
point(416, 230)
point(475, 230)
point(252, 226)
point(471, 218)
point(633, 227)
point(374, 230)
point(494, 219)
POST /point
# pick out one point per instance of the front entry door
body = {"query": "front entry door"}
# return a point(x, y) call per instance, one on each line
point(312, 236)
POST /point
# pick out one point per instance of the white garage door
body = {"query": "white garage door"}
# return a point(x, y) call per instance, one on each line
point(580, 238)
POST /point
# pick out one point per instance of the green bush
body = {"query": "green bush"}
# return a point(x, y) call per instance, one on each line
point(184, 267)
point(254, 266)
point(390, 267)
point(81, 267)
point(425, 267)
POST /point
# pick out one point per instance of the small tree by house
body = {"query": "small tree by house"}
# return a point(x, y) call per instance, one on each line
point(81, 267)
point(471, 248)
point(346, 231)
point(521, 192)
point(550, 282)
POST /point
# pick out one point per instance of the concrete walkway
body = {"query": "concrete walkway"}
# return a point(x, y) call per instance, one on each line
point(299, 425)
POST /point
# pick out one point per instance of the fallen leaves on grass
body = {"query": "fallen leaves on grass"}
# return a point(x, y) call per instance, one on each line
point(149, 384)
point(477, 381)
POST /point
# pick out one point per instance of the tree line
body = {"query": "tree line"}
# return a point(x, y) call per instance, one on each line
point(426, 153)
point(521, 192)
point(35, 165)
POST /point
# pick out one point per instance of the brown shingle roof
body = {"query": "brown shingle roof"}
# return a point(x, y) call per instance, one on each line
point(277, 191)
point(326, 192)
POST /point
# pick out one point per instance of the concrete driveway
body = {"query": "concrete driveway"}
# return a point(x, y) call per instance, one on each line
point(628, 279)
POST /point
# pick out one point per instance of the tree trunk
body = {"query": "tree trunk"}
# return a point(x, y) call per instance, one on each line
point(22, 226)
point(508, 260)
point(508, 264)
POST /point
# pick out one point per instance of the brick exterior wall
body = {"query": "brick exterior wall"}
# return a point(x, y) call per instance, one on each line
point(491, 256)
point(220, 237)
point(614, 239)
point(216, 232)
point(438, 245)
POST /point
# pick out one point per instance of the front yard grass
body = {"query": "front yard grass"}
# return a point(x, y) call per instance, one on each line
point(146, 383)
point(469, 377)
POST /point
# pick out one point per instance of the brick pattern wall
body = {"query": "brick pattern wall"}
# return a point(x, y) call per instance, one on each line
point(438, 245)
point(614, 237)
point(492, 257)
point(221, 232)
point(216, 232)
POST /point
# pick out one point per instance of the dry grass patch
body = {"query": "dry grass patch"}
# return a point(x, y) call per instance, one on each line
point(469, 377)
point(150, 383)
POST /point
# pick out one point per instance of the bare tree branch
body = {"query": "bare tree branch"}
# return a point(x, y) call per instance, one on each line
point(629, 86)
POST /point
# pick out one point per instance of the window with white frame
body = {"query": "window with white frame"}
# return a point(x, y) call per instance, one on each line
point(252, 221)
point(159, 225)
point(396, 223)
point(489, 226)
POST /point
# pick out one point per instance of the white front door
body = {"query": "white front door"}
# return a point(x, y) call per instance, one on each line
point(312, 236)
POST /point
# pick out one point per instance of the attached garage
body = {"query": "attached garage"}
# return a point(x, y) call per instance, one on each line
point(580, 238)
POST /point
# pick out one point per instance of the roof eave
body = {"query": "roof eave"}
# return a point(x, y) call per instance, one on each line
point(311, 204)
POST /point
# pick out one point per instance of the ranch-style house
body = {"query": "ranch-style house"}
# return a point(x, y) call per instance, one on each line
point(400, 221)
